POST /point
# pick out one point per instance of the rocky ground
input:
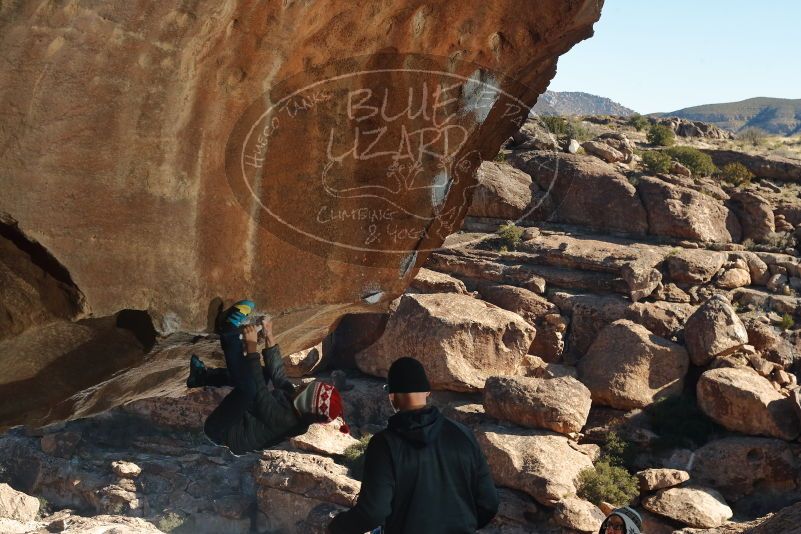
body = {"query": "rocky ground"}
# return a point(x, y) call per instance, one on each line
point(658, 313)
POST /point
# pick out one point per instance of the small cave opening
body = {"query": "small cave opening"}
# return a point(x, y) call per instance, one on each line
point(140, 324)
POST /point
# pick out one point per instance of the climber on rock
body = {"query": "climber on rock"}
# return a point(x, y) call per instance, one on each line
point(251, 417)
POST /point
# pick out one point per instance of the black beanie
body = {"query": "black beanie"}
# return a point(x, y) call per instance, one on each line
point(406, 375)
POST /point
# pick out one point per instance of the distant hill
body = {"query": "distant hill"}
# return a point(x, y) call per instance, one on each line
point(780, 116)
point(575, 103)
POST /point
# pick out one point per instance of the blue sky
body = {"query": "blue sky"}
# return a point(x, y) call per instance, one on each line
point(666, 55)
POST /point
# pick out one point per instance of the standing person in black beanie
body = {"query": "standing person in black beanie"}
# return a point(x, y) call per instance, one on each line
point(424, 473)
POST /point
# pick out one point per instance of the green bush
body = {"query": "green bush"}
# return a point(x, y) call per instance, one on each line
point(617, 451)
point(656, 161)
point(638, 122)
point(680, 423)
point(660, 135)
point(555, 124)
point(752, 136)
point(736, 174)
point(511, 235)
point(500, 156)
point(781, 240)
point(699, 163)
point(353, 457)
point(787, 322)
point(567, 127)
point(607, 482)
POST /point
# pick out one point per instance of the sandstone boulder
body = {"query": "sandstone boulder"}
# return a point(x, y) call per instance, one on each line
point(714, 330)
point(534, 135)
point(629, 367)
point(742, 400)
point(304, 362)
point(755, 214)
point(17, 505)
point(641, 277)
point(292, 484)
point(323, 439)
point(459, 339)
point(656, 479)
point(692, 505)
point(584, 191)
point(742, 466)
point(537, 462)
point(125, 469)
point(603, 151)
point(428, 281)
point(734, 278)
point(543, 315)
point(503, 192)
point(683, 213)
point(694, 266)
point(558, 404)
point(578, 514)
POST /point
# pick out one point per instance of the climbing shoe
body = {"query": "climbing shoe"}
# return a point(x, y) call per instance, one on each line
point(197, 373)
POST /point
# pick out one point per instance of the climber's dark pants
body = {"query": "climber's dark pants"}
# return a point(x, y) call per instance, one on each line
point(238, 374)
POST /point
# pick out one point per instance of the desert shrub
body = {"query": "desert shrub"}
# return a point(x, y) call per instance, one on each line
point(736, 174)
point(353, 458)
point(660, 135)
point(781, 240)
point(638, 122)
point(752, 136)
point(787, 322)
point(500, 157)
point(607, 482)
point(555, 124)
point(656, 161)
point(567, 127)
point(511, 235)
point(680, 423)
point(617, 451)
point(699, 163)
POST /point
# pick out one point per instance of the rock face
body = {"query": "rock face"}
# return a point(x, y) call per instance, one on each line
point(16, 505)
point(540, 463)
point(558, 404)
point(459, 339)
point(578, 514)
point(213, 213)
point(742, 400)
point(291, 485)
point(675, 211)
point(629, 367)
point(742, 466)
point(502, 192)
point(323, 439)
point(583, 191)
point(755, 215)
point(713, 330)
point(656, 479)
point(694, 506)
point(694, 266)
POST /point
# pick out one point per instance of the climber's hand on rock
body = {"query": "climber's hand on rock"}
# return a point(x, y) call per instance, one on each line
point(267, 325)
point(251, 335)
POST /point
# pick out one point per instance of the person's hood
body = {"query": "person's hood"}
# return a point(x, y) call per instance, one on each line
point(631, 527)
point(419, 427)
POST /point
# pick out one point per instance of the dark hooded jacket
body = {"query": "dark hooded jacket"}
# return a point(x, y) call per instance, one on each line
point(271, 417)
point(627, 515)
point(423, 474)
